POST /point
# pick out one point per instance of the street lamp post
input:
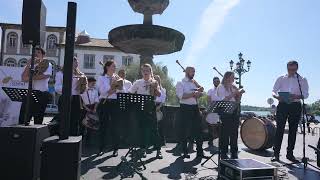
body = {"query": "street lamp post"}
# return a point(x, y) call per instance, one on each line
point(240, 69)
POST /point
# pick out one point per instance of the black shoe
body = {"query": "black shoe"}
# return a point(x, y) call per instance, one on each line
point(186, 156)
point(115, 153)
point(291, 158)
point(234, 156)
point(224, 156)
point(159, 155)
point(275, 158)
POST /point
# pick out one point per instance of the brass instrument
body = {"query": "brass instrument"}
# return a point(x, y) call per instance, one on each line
point(199, 88)
point(41, 67)
point(153, 86)
point(82, 84)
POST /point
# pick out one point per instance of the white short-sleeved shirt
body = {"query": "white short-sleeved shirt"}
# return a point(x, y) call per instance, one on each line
point(104, 86)
point(212, 93)
point(90, 96)
point(140, 87)
point(222, 93)
point(186, 86)
point(42, 85)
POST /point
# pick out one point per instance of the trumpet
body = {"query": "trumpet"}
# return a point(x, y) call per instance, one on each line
point(199, 88)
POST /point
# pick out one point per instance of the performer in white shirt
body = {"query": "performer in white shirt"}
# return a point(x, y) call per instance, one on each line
point(126, 83)
point(90, 99)
point(108, 106)
point(289, 110)
point(79, 85)
point(212, 96)
point(147, 122)
point(160, 101)
point(226, 91)
point(188, 91)
point(43, 71)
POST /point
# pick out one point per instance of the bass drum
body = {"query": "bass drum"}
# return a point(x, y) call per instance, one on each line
point(257, 133)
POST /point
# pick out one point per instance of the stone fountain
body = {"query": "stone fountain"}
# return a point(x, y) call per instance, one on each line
point(147, 39)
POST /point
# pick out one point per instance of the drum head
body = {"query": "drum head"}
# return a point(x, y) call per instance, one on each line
point(253, 133)
point(212, 118)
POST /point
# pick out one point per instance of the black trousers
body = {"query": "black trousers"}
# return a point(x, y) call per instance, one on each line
point(190, 126)
point(229, 133)
point(292, 112)
point(108, 122)
point(37, 109)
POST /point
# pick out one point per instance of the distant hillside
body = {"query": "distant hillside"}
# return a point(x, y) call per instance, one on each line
point(253, 108)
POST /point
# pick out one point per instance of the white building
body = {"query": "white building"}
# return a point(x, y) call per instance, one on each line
point(90, 51)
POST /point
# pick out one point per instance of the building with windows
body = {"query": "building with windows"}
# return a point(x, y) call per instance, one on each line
point(90, 51)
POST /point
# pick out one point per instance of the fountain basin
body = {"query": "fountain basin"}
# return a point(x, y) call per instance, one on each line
point(146, 39)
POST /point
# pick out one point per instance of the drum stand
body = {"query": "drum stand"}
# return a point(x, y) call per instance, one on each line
point(210, 158)
point(305, 160)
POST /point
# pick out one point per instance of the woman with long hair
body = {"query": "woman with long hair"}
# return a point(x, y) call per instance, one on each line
point(107, 108)
point(226, 91)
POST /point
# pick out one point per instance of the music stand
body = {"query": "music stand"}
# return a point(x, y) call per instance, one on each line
point(220, 107)
point(18, 95)
point(135, 103)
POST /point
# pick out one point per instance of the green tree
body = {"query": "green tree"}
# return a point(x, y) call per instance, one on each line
point(315, 108)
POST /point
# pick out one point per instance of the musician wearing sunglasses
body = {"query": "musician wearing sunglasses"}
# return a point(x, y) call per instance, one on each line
point(43, 71)
point(188, 92)
point(108, 85)
point(148, 122)
point(287, 90)
point(226, 91)
point(79, 85)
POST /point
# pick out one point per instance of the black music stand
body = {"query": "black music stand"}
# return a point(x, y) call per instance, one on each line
point(19, 95)
point(137, 103)
point(220, 107)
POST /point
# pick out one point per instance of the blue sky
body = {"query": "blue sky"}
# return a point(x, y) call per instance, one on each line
point(268, 32)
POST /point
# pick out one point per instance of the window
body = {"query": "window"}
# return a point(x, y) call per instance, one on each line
point(127, 60)
point(22, 62)
point(51, 41)
point(10, 62)
point(89, 61)
point(107, 58)
point(12, 40)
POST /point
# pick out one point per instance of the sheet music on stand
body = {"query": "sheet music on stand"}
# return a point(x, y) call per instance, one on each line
point(223, 107)
point(141, 102)
point(16, 94)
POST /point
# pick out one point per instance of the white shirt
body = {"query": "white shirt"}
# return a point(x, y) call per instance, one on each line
point(90, 96)
point(222, 93)
point(126, 86)
point(59, 83)
point(290, 84)
point(140, 86)
point(162, 98)
point(42, 85)
point(104, 86)
point(186, 86)
point(212, 93)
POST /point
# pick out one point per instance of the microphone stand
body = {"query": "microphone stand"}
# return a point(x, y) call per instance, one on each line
point(305, 160)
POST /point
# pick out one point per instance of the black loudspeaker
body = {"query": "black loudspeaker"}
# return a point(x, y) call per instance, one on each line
point(20, 151)
point(61, 159)
point(33, 22)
